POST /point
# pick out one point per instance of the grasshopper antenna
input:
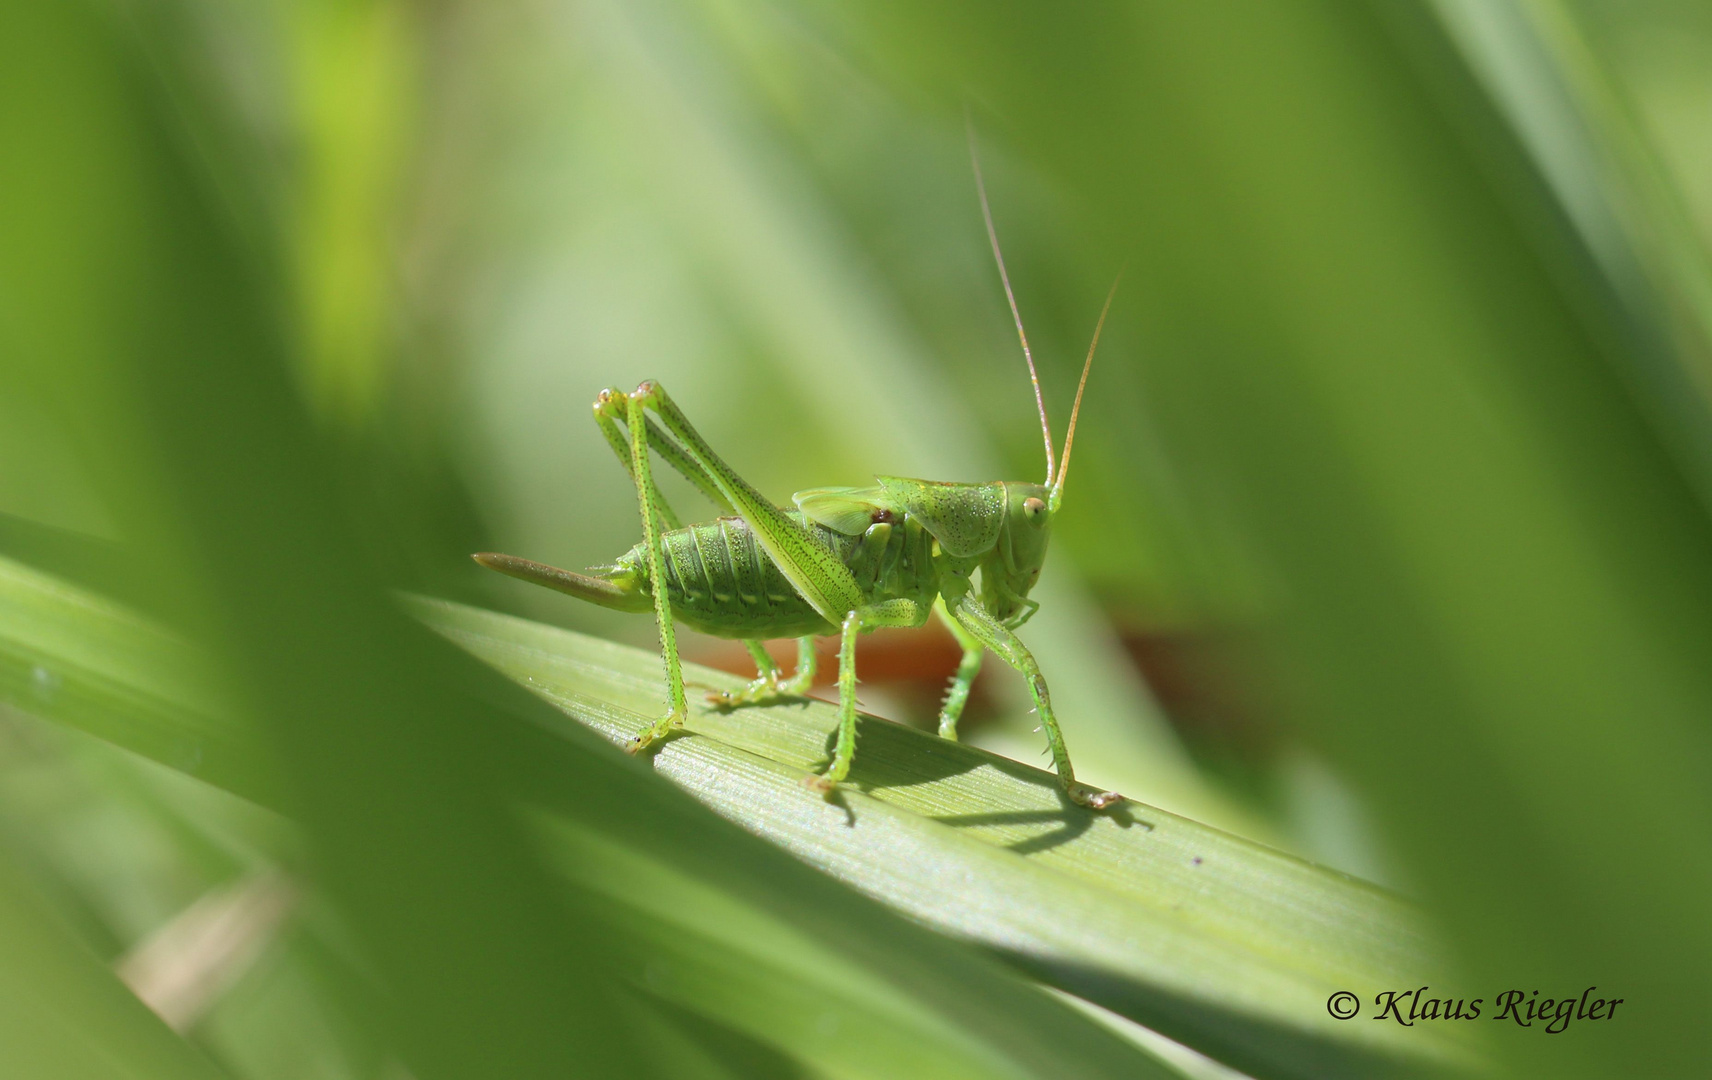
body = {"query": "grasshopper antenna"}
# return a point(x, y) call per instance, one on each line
point(1022, 335)
point(1076, 409)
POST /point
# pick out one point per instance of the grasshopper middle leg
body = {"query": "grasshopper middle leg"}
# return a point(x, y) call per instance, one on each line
point(768, 685)
point(887, 613)
point(957, 693)
point(845, 749)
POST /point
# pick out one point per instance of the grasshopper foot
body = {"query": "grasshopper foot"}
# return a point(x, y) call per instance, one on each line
point(1093, 798)
point(754, 692)
point(821, 784)
point(758, 692)
point(662, 727)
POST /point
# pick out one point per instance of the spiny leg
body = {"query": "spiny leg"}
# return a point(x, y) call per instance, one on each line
point(649, 498)
point(990, 632)
point(957, 694)
point(845, 748)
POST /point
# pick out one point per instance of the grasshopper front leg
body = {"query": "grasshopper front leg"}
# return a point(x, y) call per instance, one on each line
point(990, 632)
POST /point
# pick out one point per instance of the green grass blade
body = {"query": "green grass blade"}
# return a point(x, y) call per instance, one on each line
point(1234, 954)
point(82, 660)
point(827, 978)
point(1225, 945)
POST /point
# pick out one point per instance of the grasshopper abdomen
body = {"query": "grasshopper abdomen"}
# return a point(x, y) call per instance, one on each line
point(720, 581)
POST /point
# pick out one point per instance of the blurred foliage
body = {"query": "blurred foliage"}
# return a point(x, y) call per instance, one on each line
point(1400, 433)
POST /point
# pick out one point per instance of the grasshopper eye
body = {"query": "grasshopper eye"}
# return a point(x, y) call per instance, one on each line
point(1032, 507)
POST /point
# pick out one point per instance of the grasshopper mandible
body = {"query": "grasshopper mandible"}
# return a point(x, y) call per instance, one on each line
point(847, 560)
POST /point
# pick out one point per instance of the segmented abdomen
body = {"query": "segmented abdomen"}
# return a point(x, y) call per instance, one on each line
point(720, 581)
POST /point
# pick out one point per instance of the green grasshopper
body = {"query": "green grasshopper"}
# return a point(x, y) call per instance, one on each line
point(847, 560)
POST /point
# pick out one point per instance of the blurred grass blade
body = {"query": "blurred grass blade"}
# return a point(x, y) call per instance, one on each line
point(706, 952)
point(149, 324)
point(64, 1015)
point(183, 968)
point(1561, 103)
point(89, 663)
point(1224, 945)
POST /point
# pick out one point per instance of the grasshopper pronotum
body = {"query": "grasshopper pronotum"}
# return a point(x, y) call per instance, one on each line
point(845, 561)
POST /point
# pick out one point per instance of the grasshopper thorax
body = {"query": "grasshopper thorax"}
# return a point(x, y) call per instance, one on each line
point(1003, 525)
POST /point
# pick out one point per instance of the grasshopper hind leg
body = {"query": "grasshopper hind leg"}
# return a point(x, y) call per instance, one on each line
point(768, 684)
point(654, 510)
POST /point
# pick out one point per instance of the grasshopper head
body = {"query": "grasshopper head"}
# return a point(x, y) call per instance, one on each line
point(1010, 571)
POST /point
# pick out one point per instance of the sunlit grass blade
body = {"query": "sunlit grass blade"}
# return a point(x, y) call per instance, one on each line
point(1225, 945)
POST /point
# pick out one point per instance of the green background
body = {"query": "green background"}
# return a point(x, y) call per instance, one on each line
point(1398, 441)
